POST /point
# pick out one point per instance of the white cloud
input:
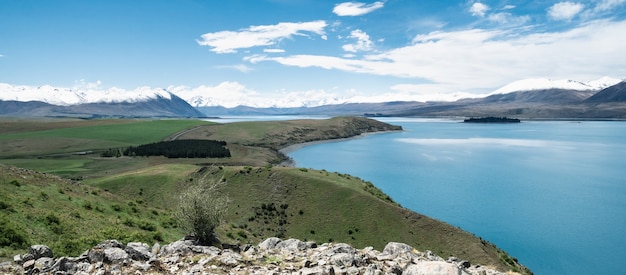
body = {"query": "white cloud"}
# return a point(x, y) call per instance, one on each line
point(606, 5)
point(479, 9)
point(506, 18)
point(481, 61)
point(273, 50)
point(508, 7)
point(356, 8)
point(363, 42)
point(265, 35)
point(565, 10)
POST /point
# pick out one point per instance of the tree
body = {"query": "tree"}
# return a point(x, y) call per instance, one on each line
point(201, 209)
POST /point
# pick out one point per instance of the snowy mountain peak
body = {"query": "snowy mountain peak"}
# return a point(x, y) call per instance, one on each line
point(66, 97)
point(531, 84)
point(603, 82)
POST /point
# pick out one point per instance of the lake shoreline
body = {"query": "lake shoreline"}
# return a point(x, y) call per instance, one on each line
point(295, 147)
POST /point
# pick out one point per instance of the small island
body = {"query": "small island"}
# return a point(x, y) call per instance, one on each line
point(492, 120)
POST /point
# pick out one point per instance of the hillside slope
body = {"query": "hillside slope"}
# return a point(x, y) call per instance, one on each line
point(312, 205)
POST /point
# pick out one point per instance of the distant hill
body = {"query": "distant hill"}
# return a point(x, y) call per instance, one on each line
point(615, 93)
point(549, 96)
point(156, 106)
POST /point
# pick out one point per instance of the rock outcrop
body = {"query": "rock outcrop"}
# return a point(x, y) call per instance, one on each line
point(272, 256)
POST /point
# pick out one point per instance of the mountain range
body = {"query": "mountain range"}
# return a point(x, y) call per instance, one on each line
point(529, 98)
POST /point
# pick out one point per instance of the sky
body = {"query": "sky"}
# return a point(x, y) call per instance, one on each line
point(293, 52)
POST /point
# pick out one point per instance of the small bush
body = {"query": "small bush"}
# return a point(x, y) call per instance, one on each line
point(87, 205)
point(116, 207)
point(52, 219)
point(201, 208)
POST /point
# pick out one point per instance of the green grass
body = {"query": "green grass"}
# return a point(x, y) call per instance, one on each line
point(70, 217)
point(54, 166)
point(89, 137)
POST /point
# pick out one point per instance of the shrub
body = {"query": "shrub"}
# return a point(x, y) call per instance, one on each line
point(201, 208)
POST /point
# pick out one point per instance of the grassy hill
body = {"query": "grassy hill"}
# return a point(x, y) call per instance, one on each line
point(69, 216)
point(131, 199)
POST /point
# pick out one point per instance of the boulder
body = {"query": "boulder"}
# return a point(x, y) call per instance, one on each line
point(291, 245)
point(432, 268)
point(269, 243)
point(138, 251)
point(395, 249)
point(39, 251)
point(115, 255)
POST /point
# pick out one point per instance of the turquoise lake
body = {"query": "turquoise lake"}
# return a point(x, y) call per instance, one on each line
point(551, 193)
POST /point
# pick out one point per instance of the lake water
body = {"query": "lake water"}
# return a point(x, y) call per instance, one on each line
point(551, 193)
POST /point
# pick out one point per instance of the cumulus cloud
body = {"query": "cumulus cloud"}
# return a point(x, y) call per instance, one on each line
point(363, 42)
point(356, 8)
point(264, 35)
point(479, 9)
point(479, 60)
point(565, 10)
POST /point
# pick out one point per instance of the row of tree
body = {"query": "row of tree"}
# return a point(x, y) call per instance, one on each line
point(184, 148)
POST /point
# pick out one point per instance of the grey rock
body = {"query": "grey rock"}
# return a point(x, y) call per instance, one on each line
point(181, 246)
point(39, 251)
point(138, 251)
point(115, 255)
point(230, 258)
point(44, 263)
point(269, 243)
point(291, 245)
point(28, 264)
point(312, 271)
point(27, 257)
point(95, 255)
point(432, 268)
point(156, 248)
point(294, 257)
point(394, 248)
point(342, 259)
point(343, 248)
point(18, 259)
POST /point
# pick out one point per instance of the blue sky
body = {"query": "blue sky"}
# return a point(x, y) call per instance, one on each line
point(285, 52)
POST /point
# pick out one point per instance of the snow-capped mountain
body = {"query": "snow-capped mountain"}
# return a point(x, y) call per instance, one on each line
point(66, 97)
point(53, 101)
point(532, 84)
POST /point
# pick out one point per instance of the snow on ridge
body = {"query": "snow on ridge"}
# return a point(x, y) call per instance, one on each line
point(65, 96)
point(531, 84)
point(603, 82)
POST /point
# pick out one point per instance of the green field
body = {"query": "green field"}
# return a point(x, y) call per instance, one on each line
point(133, 198)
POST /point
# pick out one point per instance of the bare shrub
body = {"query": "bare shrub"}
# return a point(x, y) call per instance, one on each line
point(201, 209)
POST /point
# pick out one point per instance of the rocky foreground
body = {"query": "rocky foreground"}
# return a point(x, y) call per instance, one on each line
point(272, 256)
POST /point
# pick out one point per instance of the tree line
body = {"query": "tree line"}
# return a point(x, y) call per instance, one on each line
point(184, 148)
